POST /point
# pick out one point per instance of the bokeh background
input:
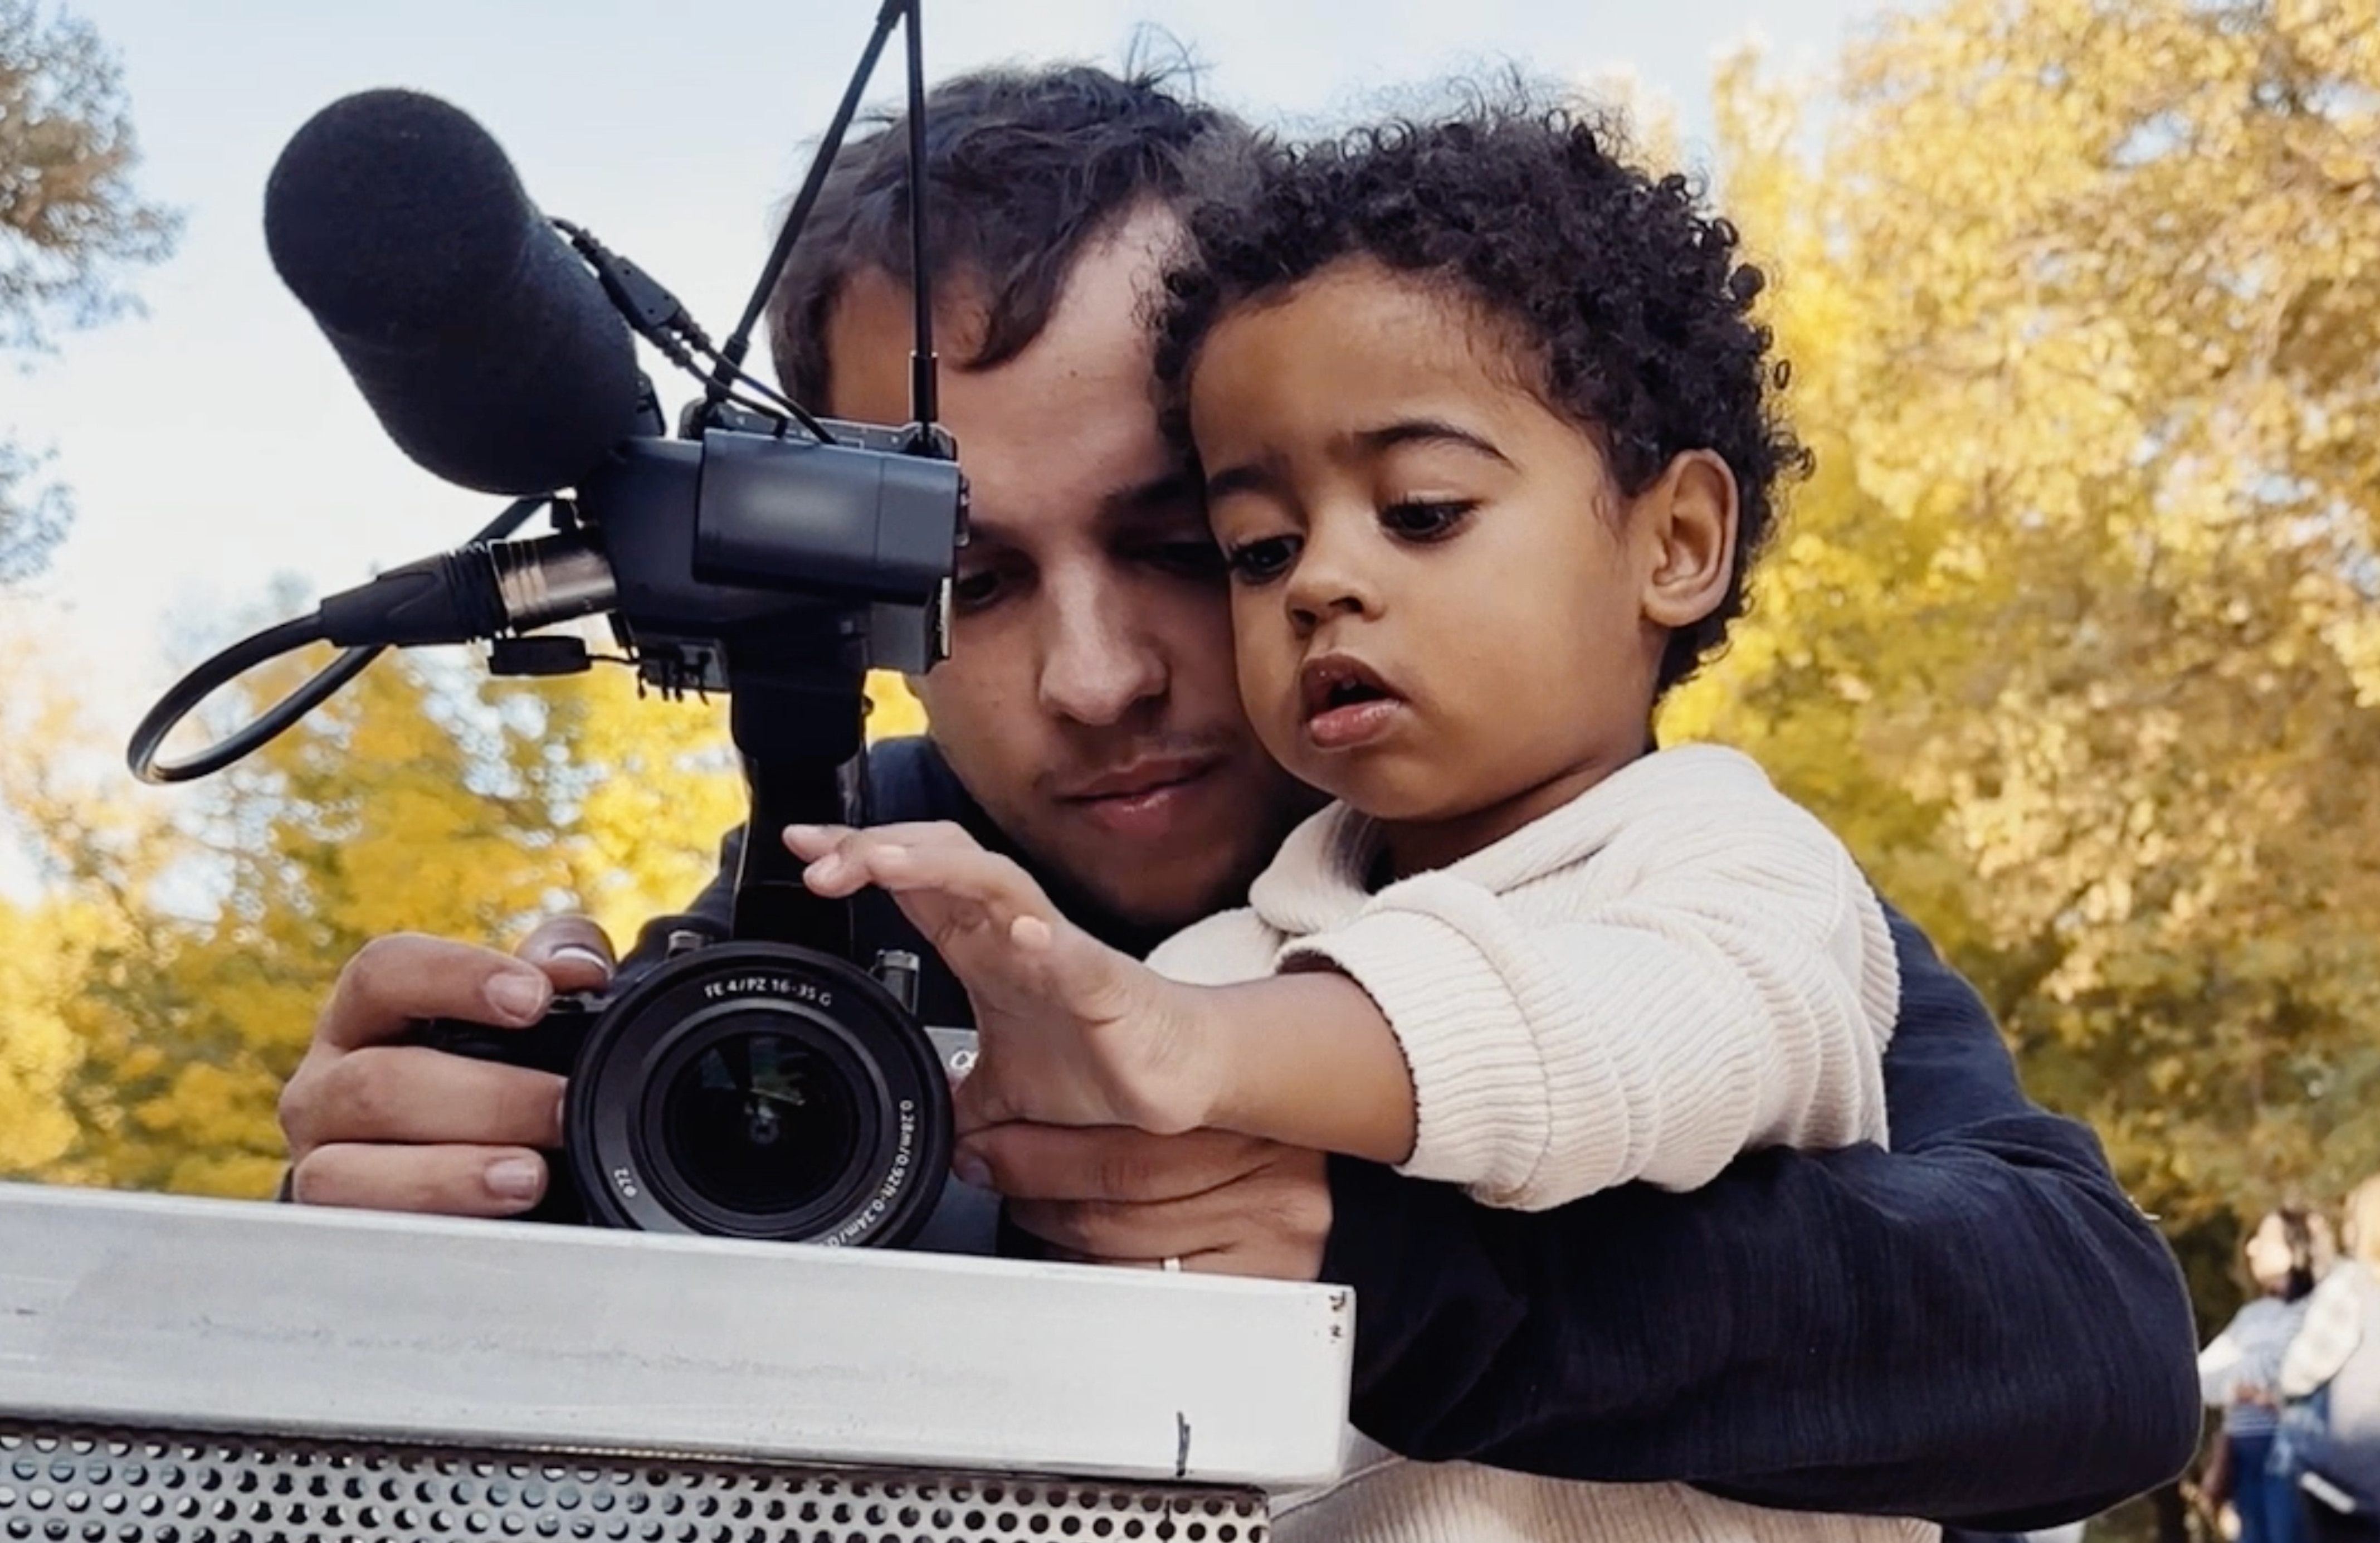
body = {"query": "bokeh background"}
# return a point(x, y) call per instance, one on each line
point(2072, 634)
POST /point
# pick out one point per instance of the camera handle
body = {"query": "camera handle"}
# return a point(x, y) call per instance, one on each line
point(799, 724)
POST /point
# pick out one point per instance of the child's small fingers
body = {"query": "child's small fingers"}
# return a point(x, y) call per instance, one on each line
point(963, 873)
point(851, 861)
point(834, 876)
point(1069, 967)
point(933, 833)
point(815, 840)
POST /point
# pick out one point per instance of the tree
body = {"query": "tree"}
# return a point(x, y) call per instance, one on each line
point(191, 937)
point(224, 910)
point(2073, 633)
point(71, 220)
point(67, 206)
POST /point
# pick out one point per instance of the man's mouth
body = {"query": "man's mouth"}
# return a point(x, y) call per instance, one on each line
point(1142, 798)
point(1347, 702)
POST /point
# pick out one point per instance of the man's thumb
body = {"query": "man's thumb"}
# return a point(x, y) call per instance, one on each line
point(573, 951)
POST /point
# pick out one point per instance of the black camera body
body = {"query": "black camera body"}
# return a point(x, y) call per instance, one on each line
point(759, 1082)
point(750, 1090)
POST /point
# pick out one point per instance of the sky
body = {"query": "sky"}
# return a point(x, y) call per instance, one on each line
point(213, 444)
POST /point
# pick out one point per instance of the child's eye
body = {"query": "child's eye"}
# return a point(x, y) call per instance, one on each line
point(1424, 520)
point(1260, 561)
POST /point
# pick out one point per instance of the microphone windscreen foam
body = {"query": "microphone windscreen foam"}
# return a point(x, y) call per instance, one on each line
point(486, 348)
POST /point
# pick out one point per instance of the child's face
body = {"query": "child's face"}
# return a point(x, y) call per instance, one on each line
point(1445, 611)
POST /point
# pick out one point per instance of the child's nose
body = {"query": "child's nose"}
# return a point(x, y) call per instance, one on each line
point(1331, 579)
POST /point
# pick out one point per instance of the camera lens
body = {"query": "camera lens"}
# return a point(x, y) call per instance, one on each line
point(760, 1123)
point(760, 1091)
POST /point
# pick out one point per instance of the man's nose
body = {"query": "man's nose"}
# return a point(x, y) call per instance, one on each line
point(1098, 659)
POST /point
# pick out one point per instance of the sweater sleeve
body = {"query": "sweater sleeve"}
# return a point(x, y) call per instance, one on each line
point(1735, 991)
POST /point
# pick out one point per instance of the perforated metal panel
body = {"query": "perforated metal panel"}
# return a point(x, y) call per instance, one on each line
point(96, 1485)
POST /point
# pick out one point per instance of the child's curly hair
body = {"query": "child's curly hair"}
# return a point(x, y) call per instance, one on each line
point(1627, 295)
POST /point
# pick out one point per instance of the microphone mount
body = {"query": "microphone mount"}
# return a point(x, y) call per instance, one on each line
point(766, 552)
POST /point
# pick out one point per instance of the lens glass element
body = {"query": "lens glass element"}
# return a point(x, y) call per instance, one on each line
point(761, 1123)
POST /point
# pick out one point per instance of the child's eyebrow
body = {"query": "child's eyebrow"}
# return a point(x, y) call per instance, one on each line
point(1428, 430)
point(1248, 476)
point(1253, 476)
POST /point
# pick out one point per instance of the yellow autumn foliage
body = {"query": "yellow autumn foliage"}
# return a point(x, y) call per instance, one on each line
point(155, 1001)
point(2072, 633)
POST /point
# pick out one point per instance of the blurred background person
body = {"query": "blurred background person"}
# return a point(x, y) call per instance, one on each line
point(2286, 1253)
point(2330, 1380)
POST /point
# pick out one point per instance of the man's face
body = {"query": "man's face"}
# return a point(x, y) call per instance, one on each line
point(1089, 702)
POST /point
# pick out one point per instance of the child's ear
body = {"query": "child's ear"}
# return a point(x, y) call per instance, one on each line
point(1688, 518)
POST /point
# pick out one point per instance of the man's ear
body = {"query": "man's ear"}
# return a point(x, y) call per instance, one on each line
point(1688, 518)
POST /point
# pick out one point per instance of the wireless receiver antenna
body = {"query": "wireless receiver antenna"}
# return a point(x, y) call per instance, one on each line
point(922, 399)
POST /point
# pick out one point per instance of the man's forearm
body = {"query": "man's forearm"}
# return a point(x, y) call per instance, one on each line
point(1877, 1365)
point(1977, 1327)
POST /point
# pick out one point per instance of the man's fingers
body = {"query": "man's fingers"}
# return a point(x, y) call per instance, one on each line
point(393, 980)
point(1122, 1234)
point(1109, 1162)
point(1214, 1234)
point(1275, 1225)
point(977, 1104)
point(573, 951)
point(414, 1094)
point(446, 1180)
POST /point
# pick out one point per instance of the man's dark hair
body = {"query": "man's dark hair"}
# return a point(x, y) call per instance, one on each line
point(1625, 299)
point(1024, 168)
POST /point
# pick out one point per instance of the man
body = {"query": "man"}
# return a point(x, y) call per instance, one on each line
point(1976, 1327)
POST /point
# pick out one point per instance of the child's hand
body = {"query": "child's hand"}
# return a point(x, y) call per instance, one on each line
point(1072, 1032)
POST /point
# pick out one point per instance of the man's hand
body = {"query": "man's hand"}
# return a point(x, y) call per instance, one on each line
point(1225, 1204)
point(391, 1127)
point(1072, 1032)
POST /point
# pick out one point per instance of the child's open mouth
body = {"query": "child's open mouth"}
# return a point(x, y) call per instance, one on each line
point(1347, 703)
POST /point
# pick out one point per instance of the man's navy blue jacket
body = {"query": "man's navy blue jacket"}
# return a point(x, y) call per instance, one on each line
point(1977, 1328)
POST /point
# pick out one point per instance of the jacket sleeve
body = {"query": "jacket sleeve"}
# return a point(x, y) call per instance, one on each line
point(1977, 1327)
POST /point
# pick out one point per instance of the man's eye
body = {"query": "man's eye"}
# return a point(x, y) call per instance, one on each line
point(1424, 519)
point(1260, 561)
point(973, 591)
point(1190, 559)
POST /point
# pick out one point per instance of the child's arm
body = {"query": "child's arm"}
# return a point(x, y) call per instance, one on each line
point(1738, 995)
point(1076, 1033)
point(1734, 988)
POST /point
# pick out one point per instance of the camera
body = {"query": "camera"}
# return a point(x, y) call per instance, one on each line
point(758, 1081)
point(749, 1090)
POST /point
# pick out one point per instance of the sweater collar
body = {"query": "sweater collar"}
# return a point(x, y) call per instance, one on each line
point(1319, 881)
